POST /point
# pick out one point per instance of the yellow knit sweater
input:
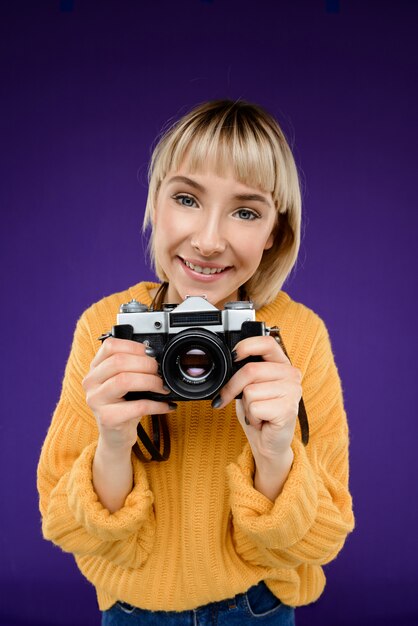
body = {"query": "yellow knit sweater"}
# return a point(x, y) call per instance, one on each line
point(194, 530)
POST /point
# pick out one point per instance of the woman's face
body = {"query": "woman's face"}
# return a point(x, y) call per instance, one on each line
point(210, 233)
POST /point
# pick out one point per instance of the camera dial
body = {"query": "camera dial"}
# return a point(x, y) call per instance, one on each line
point(239, 305)
point(133, 307)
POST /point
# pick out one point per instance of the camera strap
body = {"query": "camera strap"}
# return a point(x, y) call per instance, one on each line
point(159, 427)
point(303, 421)
point(274, 331)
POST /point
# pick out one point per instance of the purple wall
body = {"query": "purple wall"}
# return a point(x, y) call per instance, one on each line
point(85, 88)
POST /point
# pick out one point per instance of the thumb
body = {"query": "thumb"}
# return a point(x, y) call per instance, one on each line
point(239, 410)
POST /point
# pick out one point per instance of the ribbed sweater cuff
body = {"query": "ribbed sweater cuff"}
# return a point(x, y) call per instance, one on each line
point(280, 524)
point(92, 515)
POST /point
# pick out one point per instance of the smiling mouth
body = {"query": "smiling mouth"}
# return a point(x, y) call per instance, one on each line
point(204, 270)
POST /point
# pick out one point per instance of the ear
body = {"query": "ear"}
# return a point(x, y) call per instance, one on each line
point(270, 240)
point(154, 203)
point(154, 214)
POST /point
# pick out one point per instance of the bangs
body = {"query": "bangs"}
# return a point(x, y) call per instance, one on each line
point(224, 142)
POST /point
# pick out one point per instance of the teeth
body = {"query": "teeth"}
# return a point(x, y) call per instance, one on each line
point(203, 270)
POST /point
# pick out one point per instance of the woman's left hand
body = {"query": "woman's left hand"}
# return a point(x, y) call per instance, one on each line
point(271, 391)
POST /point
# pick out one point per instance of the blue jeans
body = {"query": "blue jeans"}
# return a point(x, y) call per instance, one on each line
point(257, 606)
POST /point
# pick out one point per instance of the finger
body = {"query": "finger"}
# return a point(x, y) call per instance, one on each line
point(244, 417)
point(112, 345)
point(117, 363)
point(256, 372)
point(115, 415)
point(265, 346)
point(277, 413)
point(272, 390)
point(240, 410)
point(118, 386)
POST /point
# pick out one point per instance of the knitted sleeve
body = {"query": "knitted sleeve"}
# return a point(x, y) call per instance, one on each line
point(309, 521)
point(72, 515)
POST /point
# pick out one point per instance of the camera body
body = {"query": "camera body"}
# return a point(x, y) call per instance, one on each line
point(192, 342)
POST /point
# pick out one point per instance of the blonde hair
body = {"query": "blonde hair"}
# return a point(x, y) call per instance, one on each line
point(245, 137)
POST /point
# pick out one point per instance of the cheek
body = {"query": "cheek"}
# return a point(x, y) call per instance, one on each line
point(169, 230)
point(250, 248)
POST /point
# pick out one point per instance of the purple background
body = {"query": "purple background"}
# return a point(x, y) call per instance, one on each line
point(85, 89)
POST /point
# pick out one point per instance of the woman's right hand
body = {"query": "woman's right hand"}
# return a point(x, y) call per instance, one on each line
point(120, 366)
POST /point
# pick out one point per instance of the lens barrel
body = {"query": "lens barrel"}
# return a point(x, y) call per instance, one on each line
point(196, 363)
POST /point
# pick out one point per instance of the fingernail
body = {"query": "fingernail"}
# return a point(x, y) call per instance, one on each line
point(216, 402)
point(149, 351)
point(172, 405)
point(165, 387)
point(246, 420)
point(234, 355)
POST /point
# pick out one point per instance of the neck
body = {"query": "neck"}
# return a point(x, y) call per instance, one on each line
point(160, 296)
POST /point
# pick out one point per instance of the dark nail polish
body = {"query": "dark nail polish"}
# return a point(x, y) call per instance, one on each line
point(217, 401)
point(246, 420)
point(234, 355)
point(149, 351)
point(172, 405)
point(165, 387)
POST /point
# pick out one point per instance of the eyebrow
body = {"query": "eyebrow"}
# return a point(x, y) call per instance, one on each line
point(243, 197)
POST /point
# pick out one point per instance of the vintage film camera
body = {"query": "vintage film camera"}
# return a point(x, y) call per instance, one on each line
point(192, 341)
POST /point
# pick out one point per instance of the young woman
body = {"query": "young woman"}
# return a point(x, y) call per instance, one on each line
point(235, 525)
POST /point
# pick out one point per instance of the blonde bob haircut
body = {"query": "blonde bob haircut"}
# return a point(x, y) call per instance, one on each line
point(244, 137)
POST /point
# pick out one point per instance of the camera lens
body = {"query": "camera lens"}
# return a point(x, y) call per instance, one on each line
point(195, 364)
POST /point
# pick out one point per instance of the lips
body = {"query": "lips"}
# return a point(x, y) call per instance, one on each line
point(206, 269)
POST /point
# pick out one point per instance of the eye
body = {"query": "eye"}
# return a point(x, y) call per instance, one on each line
point(247, 214)
point(185, 200)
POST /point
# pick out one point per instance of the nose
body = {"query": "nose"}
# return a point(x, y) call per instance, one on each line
point(208, 238)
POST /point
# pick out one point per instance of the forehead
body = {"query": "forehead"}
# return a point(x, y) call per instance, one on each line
point(221, 168)
point(209, 178)
point(249, 161)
